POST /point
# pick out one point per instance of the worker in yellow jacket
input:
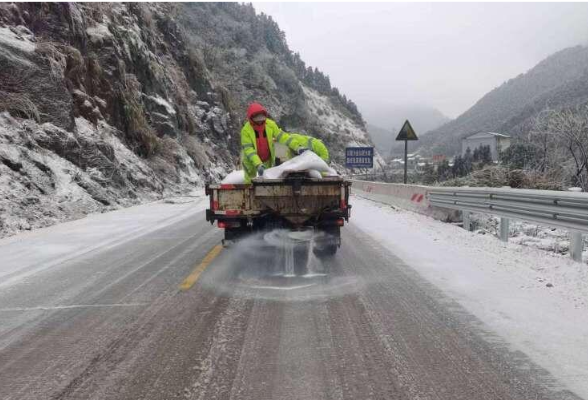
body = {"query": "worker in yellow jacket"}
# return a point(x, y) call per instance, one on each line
point(313, 144)
point(257, 142)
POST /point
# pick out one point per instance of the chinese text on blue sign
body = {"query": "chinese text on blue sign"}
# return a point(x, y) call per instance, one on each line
point(359, 157)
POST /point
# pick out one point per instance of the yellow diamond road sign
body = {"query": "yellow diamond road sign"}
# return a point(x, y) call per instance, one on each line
point(407, 133)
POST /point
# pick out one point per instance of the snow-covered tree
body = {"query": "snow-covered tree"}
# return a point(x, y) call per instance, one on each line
point(561, 140)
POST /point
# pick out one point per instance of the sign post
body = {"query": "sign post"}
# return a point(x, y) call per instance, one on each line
point(359, 157)
point(406, 134)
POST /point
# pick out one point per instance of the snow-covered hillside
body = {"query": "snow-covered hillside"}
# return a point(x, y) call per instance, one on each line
point(107, 105)
point(338, 130)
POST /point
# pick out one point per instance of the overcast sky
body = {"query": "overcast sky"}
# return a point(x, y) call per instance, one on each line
point(442, 55)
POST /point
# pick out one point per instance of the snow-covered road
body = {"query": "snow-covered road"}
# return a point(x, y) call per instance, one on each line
point(409, 308)
point(32, 252)
point(535, 300)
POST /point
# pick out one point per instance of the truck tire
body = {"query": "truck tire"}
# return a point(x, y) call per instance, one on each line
point(328, 245)
point(328, 250)
point(232, 234)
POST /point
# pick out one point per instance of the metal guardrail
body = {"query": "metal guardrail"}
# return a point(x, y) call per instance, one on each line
point(568, 210)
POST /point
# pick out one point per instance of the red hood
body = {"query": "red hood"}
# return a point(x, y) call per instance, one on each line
point(255, 108)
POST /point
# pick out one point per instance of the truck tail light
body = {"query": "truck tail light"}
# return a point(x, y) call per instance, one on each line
point(214, 200)
point(222, 224)
point(343, 204)
point(340, 222)
point(226, 186)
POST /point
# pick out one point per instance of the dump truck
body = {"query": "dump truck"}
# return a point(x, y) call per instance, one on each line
point(295, 201)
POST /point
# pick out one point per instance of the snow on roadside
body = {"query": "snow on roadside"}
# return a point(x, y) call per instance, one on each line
point(55, 244)
point(536, 301)
point(526, 233)
point(49, 175)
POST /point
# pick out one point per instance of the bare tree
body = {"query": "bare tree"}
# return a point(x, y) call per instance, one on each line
point(561, 138)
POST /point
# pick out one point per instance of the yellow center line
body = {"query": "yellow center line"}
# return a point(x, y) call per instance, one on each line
point(193, 277)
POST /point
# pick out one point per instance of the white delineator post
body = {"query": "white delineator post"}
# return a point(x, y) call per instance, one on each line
point(576, 245)
point(467, 221)
point(576, 238)
point(504, 229)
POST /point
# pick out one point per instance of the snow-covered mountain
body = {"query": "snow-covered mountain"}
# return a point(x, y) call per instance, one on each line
point(561, 80)
point(107, 105)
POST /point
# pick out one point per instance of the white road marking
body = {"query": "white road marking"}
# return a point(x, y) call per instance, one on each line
point(49, 308)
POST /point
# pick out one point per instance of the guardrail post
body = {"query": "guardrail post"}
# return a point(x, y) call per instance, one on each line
point(504, 229)
point(467, 221)
point(576, 245)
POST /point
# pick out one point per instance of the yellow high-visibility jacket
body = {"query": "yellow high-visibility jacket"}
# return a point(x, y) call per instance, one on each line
point(315, 145)
point(249, 157)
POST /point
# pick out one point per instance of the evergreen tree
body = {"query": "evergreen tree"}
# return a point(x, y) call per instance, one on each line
point(485, 155)
point(519, 156)
point(476, 154)
point(443, 171)
point(468, 165)
point(457, 168)
point(429, 175)
point(462, 165)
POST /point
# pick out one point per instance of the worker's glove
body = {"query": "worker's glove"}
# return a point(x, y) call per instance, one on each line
point(301, 150)
point(260, 170)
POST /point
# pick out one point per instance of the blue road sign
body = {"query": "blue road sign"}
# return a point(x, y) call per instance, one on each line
point(359, 157)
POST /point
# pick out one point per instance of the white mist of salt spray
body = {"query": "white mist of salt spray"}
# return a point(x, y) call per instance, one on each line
point(288, 250)
point(310, 259)
point(264, 266)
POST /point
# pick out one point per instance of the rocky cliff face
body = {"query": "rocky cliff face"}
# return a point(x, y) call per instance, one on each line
point(108, 105)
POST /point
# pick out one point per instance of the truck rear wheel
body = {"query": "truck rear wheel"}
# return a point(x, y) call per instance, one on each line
point(327, 245)
point(232, 234)
point(328, 250)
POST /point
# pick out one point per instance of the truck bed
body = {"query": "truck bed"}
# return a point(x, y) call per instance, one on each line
point(295, 200)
